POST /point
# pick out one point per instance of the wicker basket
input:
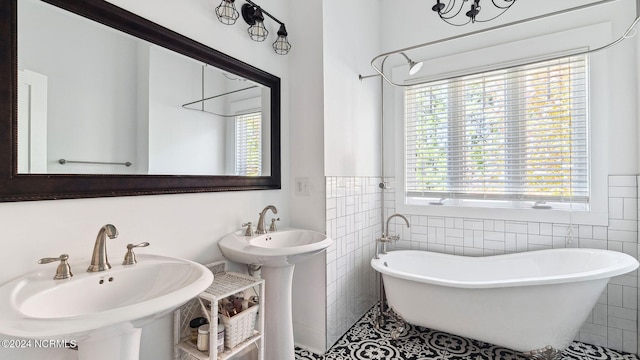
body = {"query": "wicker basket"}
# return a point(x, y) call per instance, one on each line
point(239, 327)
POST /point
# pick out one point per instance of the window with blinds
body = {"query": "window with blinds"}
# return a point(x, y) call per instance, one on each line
point(515, 134)
point(249, 144)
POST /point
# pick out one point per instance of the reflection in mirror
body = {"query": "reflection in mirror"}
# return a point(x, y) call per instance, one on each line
point(94, 100)
point(72, 145)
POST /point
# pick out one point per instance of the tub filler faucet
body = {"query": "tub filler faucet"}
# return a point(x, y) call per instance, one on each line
point(386, 238)
point(99, 260)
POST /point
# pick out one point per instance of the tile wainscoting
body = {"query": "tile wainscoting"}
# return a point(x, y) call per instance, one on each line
point(354, 219)
point(354, 222)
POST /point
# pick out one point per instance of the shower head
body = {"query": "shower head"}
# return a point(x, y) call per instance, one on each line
point(414, 67)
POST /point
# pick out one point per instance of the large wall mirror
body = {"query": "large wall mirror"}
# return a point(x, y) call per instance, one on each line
point(97, 101)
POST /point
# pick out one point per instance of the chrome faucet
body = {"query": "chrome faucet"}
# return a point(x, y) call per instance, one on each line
point(260, 229)
point(386, 238)
point(391, 217)
point(99, 260)
point(130, 256)
point(64, 270)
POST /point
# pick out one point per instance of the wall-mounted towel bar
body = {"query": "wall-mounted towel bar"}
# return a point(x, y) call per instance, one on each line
point(64, 161)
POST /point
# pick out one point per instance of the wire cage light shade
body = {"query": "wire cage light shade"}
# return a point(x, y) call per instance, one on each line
point(462, 12)
point(254, 15)
point(282, 46)
point(258, 32)
point(226, 12)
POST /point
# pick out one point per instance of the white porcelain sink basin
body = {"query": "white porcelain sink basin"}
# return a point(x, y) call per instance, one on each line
point(284, 247)
point(278, 252)
point(112, 301)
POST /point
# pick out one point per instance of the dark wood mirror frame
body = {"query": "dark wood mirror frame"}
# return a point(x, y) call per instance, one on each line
point(23, 187)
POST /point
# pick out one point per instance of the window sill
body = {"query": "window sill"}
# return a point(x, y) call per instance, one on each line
point(556, 216)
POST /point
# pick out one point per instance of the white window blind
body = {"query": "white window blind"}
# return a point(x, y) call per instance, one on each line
point(249, 144)
point(518, 134)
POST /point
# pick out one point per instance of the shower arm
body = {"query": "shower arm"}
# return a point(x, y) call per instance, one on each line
point(626, 35)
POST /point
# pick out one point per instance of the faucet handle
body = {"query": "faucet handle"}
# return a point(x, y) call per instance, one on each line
point(273, 227)
point(249, 231)
point(130, 256)
point(63, 271)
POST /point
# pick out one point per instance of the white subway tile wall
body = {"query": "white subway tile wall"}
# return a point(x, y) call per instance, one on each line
point(354, 222)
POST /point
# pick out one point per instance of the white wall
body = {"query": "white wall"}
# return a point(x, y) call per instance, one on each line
point(336, 127)
point(186, 225)
point(351, 106)
point(352, 144)
point(182, 141)
point(306, 104)
point(52, 44)
point(141, 162)
point(415, 22)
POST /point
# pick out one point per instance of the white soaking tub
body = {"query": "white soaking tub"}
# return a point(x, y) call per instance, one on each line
point(526, 301)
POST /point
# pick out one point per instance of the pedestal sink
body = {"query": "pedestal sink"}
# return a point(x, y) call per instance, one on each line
point(102, 312)
point(277, 252)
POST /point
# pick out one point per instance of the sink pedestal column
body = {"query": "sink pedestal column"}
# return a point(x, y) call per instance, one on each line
point(119, 347)
point(278, 319)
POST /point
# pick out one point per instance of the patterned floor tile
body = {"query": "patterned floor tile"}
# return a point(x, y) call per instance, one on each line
point(364, 342)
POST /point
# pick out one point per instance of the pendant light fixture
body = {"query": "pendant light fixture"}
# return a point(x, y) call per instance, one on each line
point(227, 13)
point(462, 12)
point(281, 46)
point(253, 15)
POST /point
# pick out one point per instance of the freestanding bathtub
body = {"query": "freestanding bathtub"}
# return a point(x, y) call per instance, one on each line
point(525, 301)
